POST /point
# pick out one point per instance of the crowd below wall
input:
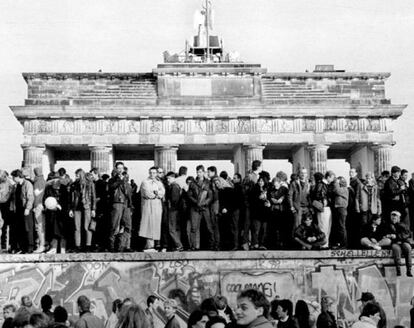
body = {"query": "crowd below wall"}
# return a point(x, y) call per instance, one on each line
point(252, 310)
point(176, 212)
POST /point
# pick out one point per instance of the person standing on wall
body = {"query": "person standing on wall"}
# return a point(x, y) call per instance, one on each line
point(23, 205)
point(299, 197)
point(353, 220)
point(214, 206)
point(82, 208)
point(152, 194)
point(39, 185)
point(200, 197)
point(173, 196)
point(118, 199)
point(6, 192)
point(248, 183)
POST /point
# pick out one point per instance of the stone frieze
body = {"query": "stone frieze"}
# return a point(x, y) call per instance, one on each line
point(191, 125)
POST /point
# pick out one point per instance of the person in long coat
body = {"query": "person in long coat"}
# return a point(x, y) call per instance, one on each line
point(152, 192)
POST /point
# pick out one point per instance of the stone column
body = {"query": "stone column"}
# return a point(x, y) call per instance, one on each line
point(382, 158)
point(239, 160)
point(252, 152)
point(32, 157)
point(48, 161)
point(166, 157)
point(100, 158)
point(318, 157)
point(361, 159)
point(300, 159)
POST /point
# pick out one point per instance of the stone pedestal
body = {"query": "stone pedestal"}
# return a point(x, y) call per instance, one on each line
point(382, 158)
point(32, 157)
point(101, 158)
point(166, 157)
point(318, 157)
point(252, 153)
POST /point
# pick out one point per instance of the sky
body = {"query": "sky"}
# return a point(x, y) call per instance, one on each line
point(130, 36)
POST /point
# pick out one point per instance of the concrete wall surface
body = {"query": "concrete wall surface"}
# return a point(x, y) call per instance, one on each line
point(192, 277)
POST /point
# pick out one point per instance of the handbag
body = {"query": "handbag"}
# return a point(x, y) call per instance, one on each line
point(317, 205)
point(92, 225)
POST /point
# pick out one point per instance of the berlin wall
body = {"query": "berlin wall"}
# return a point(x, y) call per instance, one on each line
point(192, 277)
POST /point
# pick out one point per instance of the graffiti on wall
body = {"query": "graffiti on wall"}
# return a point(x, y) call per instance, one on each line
point(191, 281)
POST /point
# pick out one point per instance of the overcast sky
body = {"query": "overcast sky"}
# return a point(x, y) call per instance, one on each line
point(130, 36)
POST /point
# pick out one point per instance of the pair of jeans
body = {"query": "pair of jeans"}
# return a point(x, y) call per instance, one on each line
point(325, 223)
point(403, 248)
point(39, 216)
point(174, 229)
point(82, 222)
point(339, 235)
point(196, 216)
point(25, 228)
point(119, 211)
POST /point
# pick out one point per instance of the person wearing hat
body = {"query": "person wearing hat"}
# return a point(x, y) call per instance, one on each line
point(399, 234)
point(369, 298)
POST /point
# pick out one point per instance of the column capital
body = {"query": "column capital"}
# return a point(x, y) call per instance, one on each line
point(33, 147)
point(100, 147)
point(166, 147)
point(381, 146)
point(254, 146)
point(318, 146)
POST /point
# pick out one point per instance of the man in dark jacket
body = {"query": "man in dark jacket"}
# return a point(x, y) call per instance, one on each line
point(23, 205)
point(308, 235)
point(215, 205)
point(200, 196)
point(86, 318)
point(39, 185)
point(173, 196)
point(248, 183)
point(353, 220)
point(118, 199)
point(393, 193)
point(400, 236)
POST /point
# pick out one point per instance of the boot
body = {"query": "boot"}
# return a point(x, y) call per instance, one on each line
point(409, 274)
point(398, 269)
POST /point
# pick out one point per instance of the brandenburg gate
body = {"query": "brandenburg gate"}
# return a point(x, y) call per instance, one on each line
point(208, 105)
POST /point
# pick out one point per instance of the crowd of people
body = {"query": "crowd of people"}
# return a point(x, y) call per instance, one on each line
point(174, 212)
point(253, 310)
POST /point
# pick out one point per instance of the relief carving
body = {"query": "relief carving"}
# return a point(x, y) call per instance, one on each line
point(286, 126)
point(45, 126)
point(88, 126)
point(67, 127)
point(177, 126)
point(351, 125)
point(265, 126)
point(373, 125)
point(199, 126)
point(222, 126)
point(133, 126)
point(330, 124)
point(155, 126)
point(244, 126)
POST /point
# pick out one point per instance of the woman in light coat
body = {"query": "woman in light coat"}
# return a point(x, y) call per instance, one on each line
point(152, 192)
